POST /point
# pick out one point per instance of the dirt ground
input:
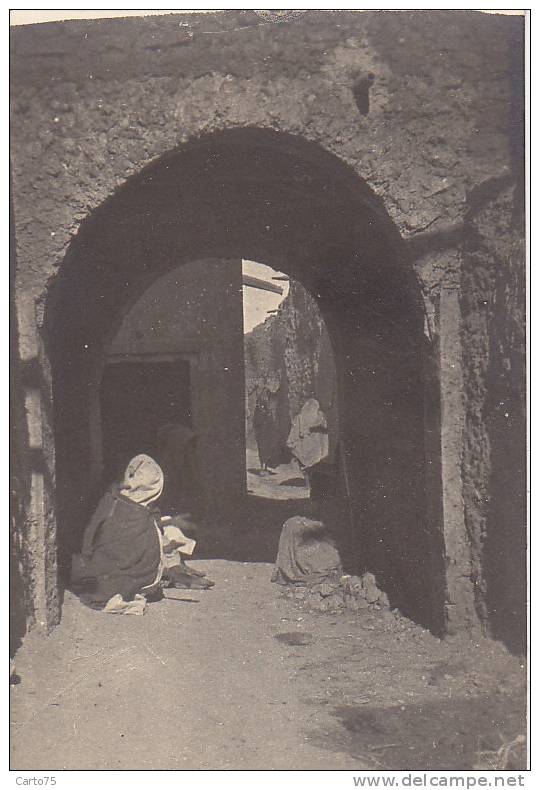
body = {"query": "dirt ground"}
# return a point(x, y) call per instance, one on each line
point(241, 677)
point(284, 482)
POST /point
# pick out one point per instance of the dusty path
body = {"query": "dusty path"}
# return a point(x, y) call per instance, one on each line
point(189, 685)
point(273, 485)
point(208, 685)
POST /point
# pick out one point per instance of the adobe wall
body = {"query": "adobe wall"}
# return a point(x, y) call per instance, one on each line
point(197, 310)
point(96, 101)
point(293, 348)
point(20, 593)
point(494, 463)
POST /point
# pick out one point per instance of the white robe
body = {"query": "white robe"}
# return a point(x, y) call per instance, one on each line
point(308, 438)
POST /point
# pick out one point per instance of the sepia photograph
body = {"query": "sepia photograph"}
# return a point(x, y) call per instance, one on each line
point(268, 297)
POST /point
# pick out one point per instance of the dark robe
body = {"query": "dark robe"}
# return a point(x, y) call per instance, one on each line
point(265, 428)
point(306, 553)
point(121, 550)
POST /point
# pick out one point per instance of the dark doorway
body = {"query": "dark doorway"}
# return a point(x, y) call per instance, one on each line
point(136, 399)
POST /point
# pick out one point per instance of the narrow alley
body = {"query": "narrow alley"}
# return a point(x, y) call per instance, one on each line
point(243, 677)
point(268, 296)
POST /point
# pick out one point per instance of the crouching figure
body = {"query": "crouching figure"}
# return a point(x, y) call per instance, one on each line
point(129, 551)
point(307, 553)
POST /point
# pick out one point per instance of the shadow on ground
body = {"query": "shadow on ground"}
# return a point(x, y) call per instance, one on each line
point(252, 533)
point(460, 734)
point(248, 678)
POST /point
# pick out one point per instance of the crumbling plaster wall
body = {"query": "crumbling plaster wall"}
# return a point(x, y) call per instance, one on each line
point(494, 454)
point(94, 102)
point(21, 595)
point(294, 348)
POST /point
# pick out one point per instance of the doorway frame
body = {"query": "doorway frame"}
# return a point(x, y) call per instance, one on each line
point(95, 413)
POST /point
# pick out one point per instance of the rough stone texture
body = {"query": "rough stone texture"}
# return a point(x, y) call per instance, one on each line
point(494, 455)
point(34, 595)
point(21, 600)
point(95, 103)
point(308, 356)
point(459, 580)
point(294, 348)
point(339, 593)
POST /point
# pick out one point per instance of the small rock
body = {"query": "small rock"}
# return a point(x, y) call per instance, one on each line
point(389, 618)
point(368, 580)
point(370, 586)
point(372, 595)
point(335, 603)
point(326, 590)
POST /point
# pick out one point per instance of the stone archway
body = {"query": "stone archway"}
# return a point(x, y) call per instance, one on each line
point(279, 200)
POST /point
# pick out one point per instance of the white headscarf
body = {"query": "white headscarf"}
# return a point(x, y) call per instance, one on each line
point(143, 480)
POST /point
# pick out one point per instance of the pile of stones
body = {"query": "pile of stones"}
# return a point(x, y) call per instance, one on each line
point(340, 593)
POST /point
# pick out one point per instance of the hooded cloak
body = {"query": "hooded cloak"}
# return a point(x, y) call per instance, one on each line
point(306, 553)
point(121, 552)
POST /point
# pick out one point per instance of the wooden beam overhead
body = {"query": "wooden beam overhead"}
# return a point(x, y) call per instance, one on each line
point(263, 285)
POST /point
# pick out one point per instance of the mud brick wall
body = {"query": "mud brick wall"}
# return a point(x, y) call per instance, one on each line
point(93, 101)
point(294, 348)
point(494, 457)
point(417, 108)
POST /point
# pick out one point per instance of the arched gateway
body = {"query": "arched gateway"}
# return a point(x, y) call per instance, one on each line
point(280, 200)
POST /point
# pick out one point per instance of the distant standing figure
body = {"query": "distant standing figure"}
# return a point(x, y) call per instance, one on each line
point(308, 438)
point(265, 429)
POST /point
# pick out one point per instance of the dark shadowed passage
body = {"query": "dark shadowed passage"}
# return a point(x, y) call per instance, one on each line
point(356, 272)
